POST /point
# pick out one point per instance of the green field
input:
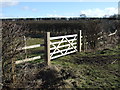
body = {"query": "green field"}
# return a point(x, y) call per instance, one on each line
point(99, 69)
point(91, 70)
point(39, 51)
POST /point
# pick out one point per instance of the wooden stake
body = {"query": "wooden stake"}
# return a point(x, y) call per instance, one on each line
point(13, 70)
point(79, 41)
point(25, 49)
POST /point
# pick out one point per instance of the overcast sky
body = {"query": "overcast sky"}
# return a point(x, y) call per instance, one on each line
point(36, 9)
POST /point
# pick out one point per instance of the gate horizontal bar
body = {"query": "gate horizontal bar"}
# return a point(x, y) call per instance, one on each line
point(62, 46)
point(32, 46)
point(62, 54)
point(58, 37)
point(28, 59)
point(64, 50)
point(62, 41)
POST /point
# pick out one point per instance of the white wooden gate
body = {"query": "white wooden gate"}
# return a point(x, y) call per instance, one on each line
point(63, 45)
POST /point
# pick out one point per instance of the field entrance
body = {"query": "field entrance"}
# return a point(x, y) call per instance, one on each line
point(50, 47)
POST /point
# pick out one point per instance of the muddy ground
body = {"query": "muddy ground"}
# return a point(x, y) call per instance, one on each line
point(74, 71)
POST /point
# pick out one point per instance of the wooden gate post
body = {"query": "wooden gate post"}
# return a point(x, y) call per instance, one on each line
point(79, 44)
point(47, 48)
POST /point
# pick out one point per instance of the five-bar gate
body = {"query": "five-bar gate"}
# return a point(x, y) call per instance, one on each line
point(61, 45)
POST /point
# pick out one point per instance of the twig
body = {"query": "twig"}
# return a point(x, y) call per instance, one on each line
point(113, 62)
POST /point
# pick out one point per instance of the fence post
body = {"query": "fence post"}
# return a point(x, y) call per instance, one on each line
point(85, 43)
point(25, 46)
point(47, 48)
point(13, 70)
point(79, 41)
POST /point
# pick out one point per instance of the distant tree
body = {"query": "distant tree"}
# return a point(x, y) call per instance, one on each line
point(83, 16)
point(118, 16)
point(115, 16)
point(106, 16)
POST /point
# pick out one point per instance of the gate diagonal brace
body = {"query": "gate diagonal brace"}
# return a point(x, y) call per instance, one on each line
point(70, 44)
point(57, 47)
